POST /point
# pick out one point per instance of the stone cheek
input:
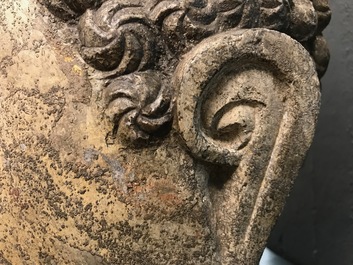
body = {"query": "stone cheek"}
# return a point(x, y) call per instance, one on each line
point(154, 132)
point(66, 196)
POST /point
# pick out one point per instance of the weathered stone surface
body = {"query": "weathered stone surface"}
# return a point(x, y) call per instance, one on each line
point(152, 132)
point(259, 129)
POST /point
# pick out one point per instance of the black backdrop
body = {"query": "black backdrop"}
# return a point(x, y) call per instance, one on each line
point(316, 226)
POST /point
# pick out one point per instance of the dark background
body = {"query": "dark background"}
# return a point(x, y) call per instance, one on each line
point(316, 227)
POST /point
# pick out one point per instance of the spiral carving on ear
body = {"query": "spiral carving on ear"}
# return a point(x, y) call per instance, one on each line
point(249, 99)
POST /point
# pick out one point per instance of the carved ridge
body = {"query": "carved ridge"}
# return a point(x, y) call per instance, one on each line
point(118, 37)
point(139, 105)
point(272, 133)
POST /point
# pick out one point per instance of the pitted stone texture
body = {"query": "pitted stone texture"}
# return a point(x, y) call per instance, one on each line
point(247, 101)
point(65, 196)
point(203, 190)
point(120, 38)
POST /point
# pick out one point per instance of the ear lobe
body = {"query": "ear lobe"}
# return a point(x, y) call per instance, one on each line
point(248, 98)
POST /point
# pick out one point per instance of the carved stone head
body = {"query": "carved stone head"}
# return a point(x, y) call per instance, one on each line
point(172, 132)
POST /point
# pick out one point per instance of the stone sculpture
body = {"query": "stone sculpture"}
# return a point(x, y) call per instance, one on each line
point(153, 132)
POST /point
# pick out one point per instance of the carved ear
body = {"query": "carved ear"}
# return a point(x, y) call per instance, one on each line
point(248, 99)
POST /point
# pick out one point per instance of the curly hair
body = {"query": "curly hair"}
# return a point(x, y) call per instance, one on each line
point(110, 28)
